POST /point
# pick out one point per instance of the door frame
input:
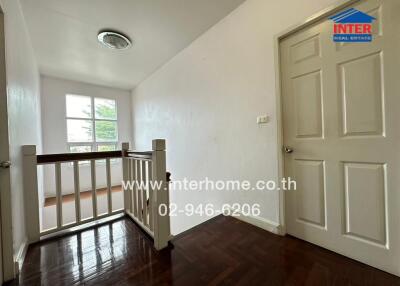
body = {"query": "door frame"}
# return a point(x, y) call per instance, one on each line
point(341, 4)
point(6, 240)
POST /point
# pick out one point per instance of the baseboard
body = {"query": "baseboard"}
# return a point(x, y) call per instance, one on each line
point(20, 257)
point(261, 223)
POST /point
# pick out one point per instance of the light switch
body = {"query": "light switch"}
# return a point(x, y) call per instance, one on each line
point(262, 119)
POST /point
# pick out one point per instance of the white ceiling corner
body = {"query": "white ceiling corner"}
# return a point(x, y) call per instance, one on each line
point(64, 35)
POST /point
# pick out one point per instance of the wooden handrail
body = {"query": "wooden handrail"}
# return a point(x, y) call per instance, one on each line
point(141, 153)
point(68, 157)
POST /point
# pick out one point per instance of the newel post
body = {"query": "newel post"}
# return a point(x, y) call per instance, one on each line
point(125, 175)
point(161, 196)
point(31, 193)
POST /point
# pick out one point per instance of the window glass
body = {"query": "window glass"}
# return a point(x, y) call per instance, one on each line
point(79, 130)
point(104, 148)
point(79, 106)
point(105, 109)
point(106, 131)
point(91, 124)
point(80, 149)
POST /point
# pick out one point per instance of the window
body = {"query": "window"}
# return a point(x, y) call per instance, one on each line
point(92, 124)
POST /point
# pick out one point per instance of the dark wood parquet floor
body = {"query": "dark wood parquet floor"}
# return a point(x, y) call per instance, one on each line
point(222, 251)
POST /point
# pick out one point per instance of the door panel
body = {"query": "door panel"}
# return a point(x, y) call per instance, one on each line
point(340, 116)
point(365, 201)
point(307, 89)
point(362, 95)
point(311, 192)
point(306, 49)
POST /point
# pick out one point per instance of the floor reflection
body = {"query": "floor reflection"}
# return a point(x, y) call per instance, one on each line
point(223, 251)
point(82, 256)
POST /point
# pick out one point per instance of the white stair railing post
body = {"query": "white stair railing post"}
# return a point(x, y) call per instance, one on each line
point(125, 175)
point(160, 196)
point(31, 194)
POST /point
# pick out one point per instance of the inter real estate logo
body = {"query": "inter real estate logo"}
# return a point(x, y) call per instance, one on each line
point(352, 26)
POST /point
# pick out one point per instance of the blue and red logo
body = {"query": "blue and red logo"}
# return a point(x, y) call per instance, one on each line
point(352, 26)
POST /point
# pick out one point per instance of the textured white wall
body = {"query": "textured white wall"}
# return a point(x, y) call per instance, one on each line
point(55, 130)
point(206, 99)
point(23, 94)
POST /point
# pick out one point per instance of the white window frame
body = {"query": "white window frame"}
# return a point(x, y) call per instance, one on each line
point(93, 144)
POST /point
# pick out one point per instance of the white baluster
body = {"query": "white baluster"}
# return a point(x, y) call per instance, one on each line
point(139, 190)
point(77, 192)
point(134, 189)
point(126, 177)
point(161, 196)
point(94, 192)
point(57, 167)
point(109, 195)
point(150, 208)
point(144, 191)
point(31, 194)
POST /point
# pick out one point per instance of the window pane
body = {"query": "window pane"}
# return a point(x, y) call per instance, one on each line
point(79, 130)
point(106, 131)
point(105, 109)
point(104, 148)
point(80, 149)
point(79, 106)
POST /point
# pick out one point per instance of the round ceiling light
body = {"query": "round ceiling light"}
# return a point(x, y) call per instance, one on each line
point(114, 40)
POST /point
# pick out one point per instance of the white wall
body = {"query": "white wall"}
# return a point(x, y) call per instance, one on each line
point(23, 94)
point(55, 133)
point(205, 102)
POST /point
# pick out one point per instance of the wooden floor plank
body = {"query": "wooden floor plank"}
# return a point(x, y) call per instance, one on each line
point(222, 251)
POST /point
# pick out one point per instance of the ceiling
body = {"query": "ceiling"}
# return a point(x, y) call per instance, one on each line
point(64, 35)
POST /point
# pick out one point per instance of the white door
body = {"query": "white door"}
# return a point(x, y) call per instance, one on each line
point(341, 118)
point(4, 143)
